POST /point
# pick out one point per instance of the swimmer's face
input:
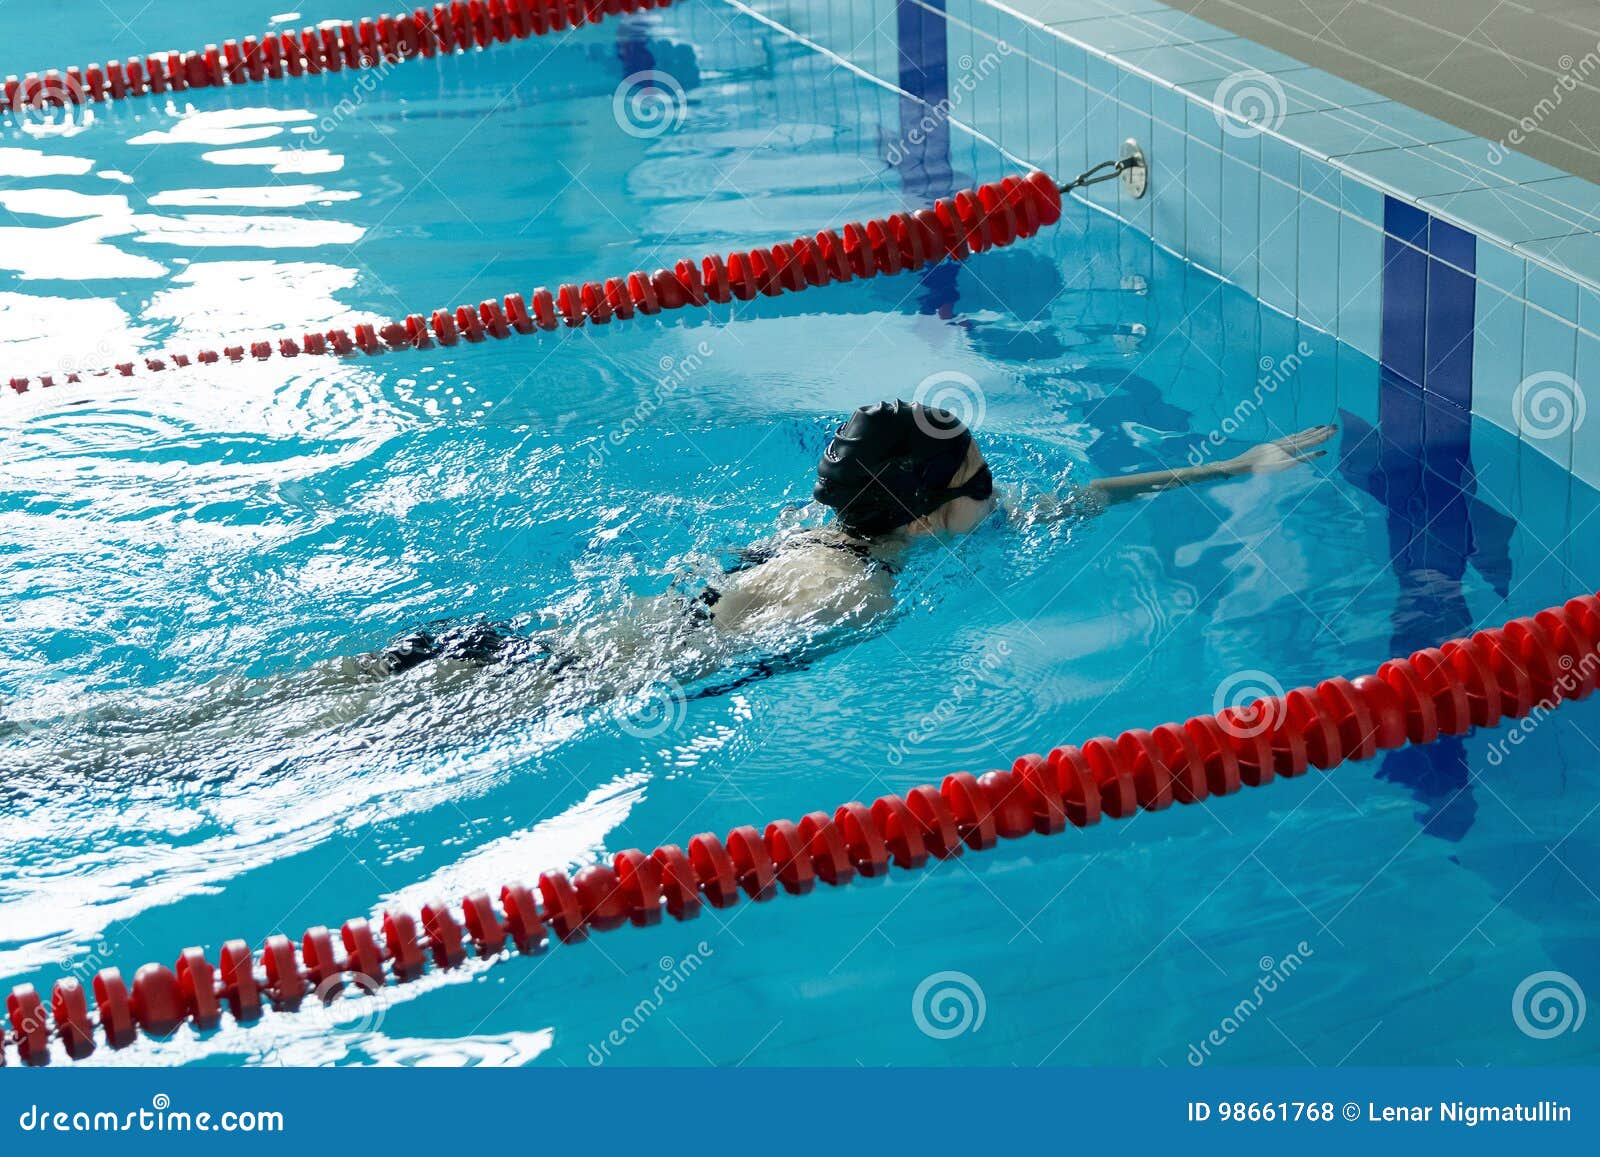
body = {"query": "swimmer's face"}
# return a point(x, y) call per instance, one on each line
point(960, 515)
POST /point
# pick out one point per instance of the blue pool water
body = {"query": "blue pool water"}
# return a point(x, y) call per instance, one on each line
point(183, 555)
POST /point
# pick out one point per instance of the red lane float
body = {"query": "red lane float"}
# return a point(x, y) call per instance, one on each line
point(368, 43)
point(971, 221)
point(1477, 681)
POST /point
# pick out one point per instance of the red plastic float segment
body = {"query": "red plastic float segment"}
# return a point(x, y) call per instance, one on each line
point(320, 961)
point(483, 926)
point(198, 987)
point(523, 922)
point(829, 856)
point(601, 900)
point(29, 1028)
point(678, 883)
point(444, 935)
point(901, 833)
point(936, 821)
point(69, 1008)
point(790, 857)
point(286, 984)
point(752, 863)
point(400, 945)
point(1080, 791)
point(238, 982)
point(714, 871)
point(111, 1002)
point(1008, 804)
point(561, 909)
point(364, 957)
point(869, 853)
point(1041, 792)
point(157, 1000)
point(639, 877)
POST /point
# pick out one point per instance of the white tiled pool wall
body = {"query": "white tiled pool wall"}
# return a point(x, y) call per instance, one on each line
point(1292, 210)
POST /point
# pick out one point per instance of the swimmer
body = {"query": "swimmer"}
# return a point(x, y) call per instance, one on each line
point(897, 477)
point(896, 474)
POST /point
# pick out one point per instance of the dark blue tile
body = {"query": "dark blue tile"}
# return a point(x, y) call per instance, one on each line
point(1451, 299)
point(1400, 415)
point(1454, 245)
point(1402, 348)
point(1406, 222)
point(1447, 429)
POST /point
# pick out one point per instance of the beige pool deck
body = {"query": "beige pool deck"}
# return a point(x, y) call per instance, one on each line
point(1486, 66)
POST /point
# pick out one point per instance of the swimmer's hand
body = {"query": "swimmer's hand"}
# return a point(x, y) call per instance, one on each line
point(1279, 454)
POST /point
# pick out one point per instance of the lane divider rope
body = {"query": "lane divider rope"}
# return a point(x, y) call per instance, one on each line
point(1497, 674)
point(330, 47)
point(970, 221)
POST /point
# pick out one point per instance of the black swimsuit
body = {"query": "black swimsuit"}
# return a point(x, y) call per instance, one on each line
point(479, 642)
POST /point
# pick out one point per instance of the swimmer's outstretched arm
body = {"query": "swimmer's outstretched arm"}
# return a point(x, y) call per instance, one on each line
point(1267, 458)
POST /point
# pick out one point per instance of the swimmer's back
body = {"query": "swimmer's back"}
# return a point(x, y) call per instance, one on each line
point(820, 578)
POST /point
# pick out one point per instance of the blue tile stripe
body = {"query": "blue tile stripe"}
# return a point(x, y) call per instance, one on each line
point(1429, 302)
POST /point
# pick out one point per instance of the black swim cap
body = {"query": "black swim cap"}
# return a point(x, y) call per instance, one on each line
point(889, 465)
